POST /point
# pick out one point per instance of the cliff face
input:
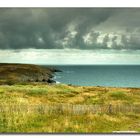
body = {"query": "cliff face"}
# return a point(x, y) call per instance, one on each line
point(25, 73)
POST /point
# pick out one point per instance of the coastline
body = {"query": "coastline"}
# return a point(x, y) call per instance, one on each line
point(43, 107)
point(17, 73)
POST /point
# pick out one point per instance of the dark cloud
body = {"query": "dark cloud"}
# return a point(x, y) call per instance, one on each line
point(48, 28)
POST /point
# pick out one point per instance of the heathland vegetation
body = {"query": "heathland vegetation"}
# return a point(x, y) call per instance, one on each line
point(58, 108)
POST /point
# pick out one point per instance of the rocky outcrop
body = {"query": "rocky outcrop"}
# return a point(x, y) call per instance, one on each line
point(26, 73)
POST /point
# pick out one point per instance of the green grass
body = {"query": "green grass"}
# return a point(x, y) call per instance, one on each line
point(63, 123)
point(119, 95)
point(17, 114)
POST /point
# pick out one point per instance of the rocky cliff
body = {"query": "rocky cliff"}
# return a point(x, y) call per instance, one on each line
point(25, 73)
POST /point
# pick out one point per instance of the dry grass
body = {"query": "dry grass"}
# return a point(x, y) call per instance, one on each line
point(68, 109)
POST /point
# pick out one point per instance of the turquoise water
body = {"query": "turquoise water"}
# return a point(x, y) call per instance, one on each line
point(100, 75)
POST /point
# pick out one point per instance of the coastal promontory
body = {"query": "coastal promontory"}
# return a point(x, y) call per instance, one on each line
point(11, 73)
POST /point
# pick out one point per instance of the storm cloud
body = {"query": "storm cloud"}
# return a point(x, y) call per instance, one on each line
point(65, 28)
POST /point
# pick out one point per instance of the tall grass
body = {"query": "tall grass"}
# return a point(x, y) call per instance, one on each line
point(68, 109)
point(66, 118)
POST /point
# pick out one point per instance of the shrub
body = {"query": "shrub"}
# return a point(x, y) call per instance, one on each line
point(119, 95)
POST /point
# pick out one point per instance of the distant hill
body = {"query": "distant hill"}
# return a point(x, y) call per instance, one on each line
point(11, 73)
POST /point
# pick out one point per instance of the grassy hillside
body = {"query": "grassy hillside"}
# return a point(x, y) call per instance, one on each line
point(38, 107)
point(15, 73)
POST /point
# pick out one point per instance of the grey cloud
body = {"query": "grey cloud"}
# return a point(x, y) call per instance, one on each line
point(49, 28)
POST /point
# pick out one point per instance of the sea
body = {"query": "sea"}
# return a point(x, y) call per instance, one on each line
point(99, 75)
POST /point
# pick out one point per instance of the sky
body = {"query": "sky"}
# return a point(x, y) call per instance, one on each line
point(70, 35)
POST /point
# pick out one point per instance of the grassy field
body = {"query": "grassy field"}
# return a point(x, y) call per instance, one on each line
point(37, 107)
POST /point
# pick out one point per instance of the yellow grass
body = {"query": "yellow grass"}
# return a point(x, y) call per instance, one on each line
point(38, 107)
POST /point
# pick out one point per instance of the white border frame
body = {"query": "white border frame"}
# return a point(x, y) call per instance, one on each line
point(69, 3)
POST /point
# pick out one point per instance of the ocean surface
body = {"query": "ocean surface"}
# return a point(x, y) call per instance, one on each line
point(99, 75)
